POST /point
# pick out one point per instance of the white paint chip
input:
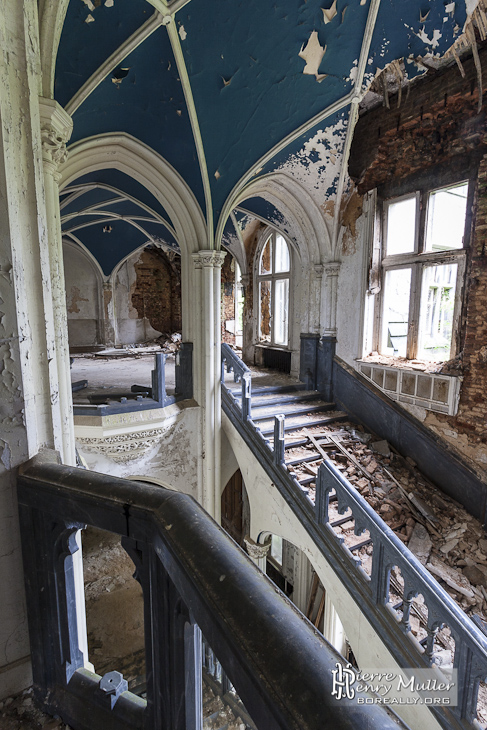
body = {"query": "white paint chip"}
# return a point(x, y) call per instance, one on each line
point(329, 14)
point(312, 53)
point(89, 4)
point(362, 2)
point(89, 19)
point(109, 3)
point(217, 175)
point(182, 33)
point(422, 17)
point(450, 8)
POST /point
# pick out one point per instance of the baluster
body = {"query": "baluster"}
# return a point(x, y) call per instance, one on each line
point(406, 611)
point(325, 483)
point(430, 644)
point(226, 684)
point(246, 396)
point(159, 379)
point(279, 439)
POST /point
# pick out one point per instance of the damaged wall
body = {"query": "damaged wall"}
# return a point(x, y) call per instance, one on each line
point(83, 286)
point(435, 137)
point(148, 296)
point(228, 294)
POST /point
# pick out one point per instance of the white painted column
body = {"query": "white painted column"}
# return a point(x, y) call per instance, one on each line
point(302, 580)
point(108, 314)
point(258, 552)
point(330, 290)
point(315, 299)
point(206, 353)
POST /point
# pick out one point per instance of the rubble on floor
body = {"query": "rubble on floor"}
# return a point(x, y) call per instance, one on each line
point(218, 715)
point(449, 367)
point(20, 713)
point(446, 539)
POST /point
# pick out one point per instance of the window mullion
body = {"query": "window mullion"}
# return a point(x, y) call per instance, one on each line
point(414, 311)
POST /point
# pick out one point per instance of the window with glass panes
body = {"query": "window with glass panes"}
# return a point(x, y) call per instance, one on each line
point(273, 288)
point(422, 272)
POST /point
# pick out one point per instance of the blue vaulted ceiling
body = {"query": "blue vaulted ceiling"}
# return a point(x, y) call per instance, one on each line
point(246, 88)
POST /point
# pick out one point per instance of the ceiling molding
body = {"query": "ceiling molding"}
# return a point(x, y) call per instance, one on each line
point(52, 14)
point(353, 117)
point(140, 35)
point(193, 116)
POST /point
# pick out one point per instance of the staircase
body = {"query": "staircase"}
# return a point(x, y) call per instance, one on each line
point(290, 430)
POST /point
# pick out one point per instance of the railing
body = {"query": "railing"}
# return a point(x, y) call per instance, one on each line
point(372, 593)
point(194, 579)
point(153, 396)
point(216, 679)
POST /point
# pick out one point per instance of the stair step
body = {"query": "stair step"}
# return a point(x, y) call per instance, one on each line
point(289, 410)
point(293, 424)
point(264, 400)
point(236, 390)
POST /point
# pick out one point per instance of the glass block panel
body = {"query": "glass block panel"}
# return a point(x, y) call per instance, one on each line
point(281, 311)
point(390, 380)
point(282, 255)
point(440, 390)
point(396, 312)
point(436, 315)
point(378, 377)
point(424, 386)
point(266, 258)
point(366, 371)
point(265, 311)
point(445, 225)
point(408, 383)
point(401, 226)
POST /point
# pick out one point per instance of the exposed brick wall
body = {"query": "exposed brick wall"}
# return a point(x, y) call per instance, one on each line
point(251, 237)
point(228, 292)
point(436, 136)
point(157, 291)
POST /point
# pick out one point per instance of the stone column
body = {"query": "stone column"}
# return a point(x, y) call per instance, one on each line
point(330, 286)
point(316, 284)
point(258, 552)
point(207, 367)
point(56, 128)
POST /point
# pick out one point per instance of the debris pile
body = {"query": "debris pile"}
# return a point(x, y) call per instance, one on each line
point(20, 713)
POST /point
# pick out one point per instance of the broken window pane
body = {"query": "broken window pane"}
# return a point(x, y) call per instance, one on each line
point(265, 311)
point(445, 225)
point(397, 288)
point(282, 255)
point(266, 258)
point(281, 313)
point(436, 317)
point(401, 226)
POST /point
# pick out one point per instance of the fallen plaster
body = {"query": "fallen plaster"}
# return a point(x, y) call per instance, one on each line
point(89, 19)
point(182, 33)
point(313, 53)
point(89, 4)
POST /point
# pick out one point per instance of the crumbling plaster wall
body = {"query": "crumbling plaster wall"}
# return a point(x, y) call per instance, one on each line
point(438, 134)
point(148, 296)
point(83, 293)
point(228, 294)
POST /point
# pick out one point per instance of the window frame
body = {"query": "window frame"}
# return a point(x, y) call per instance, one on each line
point(417, 261)
point(270, 234)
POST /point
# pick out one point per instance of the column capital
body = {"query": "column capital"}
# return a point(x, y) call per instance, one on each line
point(56, 129)
point(318, 271)
point(255, 550)
point(332, 268)
point(208, 259)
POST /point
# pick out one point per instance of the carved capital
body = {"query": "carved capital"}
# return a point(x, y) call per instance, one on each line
point(332, 269)
point(56, 129)
point(208, 259)
point(255, 550)
point(318, 270)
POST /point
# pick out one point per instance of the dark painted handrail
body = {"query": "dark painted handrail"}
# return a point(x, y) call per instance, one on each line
point(193, 577)
point(241, 374)
point(388, 551)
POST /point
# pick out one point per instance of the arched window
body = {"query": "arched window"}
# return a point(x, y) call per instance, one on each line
point(273, 287)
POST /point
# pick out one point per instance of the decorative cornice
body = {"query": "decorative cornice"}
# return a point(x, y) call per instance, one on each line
point(56, 129)
point(123, 447)
point(208, 259)
point(255, 550)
